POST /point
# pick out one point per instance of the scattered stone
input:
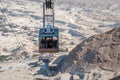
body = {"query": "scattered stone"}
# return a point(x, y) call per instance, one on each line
point(33, 64)
point(76, 77)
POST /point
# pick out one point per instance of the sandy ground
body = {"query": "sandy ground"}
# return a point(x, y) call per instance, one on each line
point(76, 21)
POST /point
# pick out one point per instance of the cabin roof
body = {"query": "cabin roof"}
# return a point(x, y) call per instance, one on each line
point(43, 34)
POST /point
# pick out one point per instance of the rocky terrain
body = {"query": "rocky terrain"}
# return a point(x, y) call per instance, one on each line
point(77, 20)
point(99, 51)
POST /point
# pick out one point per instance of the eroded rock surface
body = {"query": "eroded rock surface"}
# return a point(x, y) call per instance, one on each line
point(97, 51)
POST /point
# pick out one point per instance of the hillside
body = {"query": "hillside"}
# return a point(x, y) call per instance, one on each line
point(77, 20)
point(101, 51)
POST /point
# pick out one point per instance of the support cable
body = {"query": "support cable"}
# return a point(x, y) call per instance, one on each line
point(8, 20)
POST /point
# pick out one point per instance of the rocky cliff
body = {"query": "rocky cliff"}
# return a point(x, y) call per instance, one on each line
point(101, 51)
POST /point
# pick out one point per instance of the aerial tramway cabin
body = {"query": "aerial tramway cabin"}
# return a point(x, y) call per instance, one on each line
point(48, 39)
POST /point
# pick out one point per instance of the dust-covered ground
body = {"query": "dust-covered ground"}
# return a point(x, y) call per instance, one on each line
point(77, 20)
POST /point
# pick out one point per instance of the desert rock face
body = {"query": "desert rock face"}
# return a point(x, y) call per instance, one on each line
point(77, 20)
point(101, 51)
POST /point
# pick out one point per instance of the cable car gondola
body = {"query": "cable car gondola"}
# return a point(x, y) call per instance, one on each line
point(48, 35)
